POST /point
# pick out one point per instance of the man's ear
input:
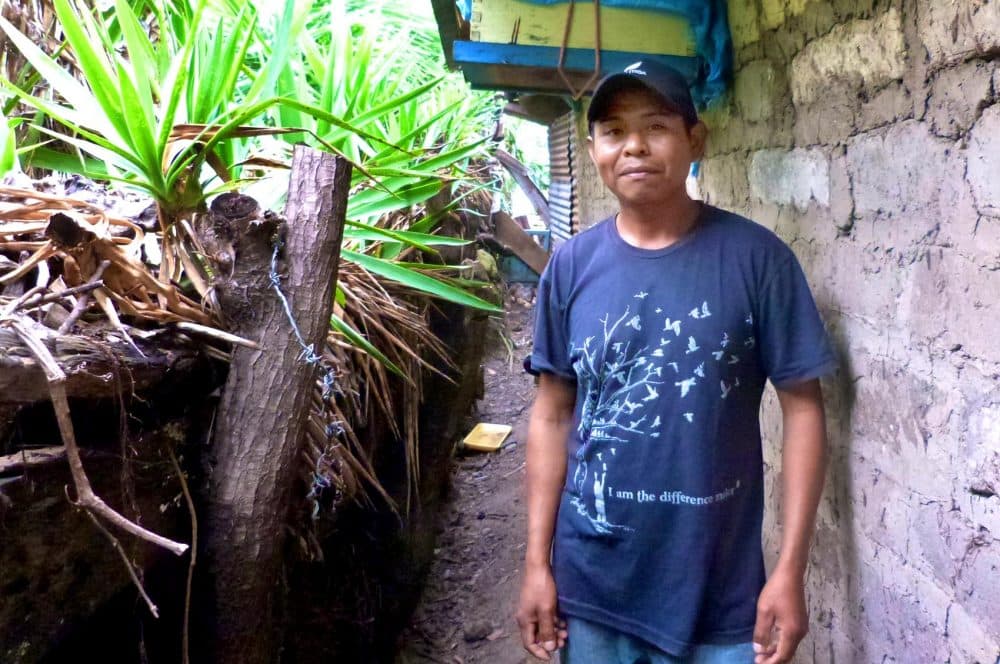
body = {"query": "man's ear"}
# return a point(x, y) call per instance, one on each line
point(590, 148)
point(698, 134)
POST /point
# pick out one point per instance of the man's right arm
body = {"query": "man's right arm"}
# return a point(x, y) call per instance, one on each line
point(548, 429)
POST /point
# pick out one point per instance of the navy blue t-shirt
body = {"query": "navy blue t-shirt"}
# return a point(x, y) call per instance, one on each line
point(659, 527)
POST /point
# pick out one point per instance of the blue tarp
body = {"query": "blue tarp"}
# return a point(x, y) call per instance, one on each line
point(709, 23)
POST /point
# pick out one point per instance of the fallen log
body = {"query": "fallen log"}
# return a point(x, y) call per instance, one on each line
point(94, 367)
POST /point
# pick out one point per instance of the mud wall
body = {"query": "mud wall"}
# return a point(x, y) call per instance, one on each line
point(867, 135)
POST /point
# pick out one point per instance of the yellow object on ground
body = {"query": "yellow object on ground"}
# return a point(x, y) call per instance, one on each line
point(486, 437)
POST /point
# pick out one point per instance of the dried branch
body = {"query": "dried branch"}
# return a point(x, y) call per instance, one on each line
point(185, 636)
point(42, 300)
point(213, 333)
point(19, 302)
point(29, 458)
point(128, 563)
point(81, 304)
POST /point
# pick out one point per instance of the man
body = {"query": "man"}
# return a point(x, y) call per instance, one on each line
point(655, 333)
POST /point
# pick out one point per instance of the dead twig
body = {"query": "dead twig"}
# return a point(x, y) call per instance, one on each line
point(29, 458)
point(42, 300)
point(128, 563)
point(85, 496)
point(84, 301)
point(518, 469)
point(185, 634)
point(19, 302)
point(213, 333)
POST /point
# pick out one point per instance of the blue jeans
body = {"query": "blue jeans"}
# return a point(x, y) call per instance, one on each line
point(590, 643)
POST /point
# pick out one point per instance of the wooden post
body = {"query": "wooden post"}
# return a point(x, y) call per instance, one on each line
point(260, 422)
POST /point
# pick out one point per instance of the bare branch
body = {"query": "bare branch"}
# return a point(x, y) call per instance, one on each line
point(81, 304)
point(213, 333)
point(128, 563)
point(185, 636)
point(42, 300)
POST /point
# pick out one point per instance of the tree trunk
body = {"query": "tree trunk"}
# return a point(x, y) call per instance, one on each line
point(260, 421)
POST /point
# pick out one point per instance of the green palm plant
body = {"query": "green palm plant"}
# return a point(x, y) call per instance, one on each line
point(415, 129)
point(8, 150)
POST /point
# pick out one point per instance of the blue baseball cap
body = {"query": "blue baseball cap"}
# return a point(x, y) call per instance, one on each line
point(666, 82)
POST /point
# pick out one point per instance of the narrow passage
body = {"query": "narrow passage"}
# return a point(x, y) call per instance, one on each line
point(466, 613)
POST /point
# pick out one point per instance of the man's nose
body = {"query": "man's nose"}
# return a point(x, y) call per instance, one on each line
point(635, 143)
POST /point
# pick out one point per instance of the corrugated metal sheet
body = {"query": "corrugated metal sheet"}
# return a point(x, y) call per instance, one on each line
point(563, 207)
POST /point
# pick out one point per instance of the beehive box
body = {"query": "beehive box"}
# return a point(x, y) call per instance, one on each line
point(526, 23)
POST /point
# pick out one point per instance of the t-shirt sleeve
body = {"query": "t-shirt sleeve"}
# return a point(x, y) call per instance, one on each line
point(793, 342)
point(550, 351)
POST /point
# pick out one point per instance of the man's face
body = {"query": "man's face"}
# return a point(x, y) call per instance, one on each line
point(643, 150)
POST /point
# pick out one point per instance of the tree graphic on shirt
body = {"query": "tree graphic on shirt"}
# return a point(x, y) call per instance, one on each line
point(620, 382)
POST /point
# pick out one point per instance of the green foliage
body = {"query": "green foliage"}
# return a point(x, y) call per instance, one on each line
point(181, 98)
point(413, 128)
point(8, 151)
point(121, 116)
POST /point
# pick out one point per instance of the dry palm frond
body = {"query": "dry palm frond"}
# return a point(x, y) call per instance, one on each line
point(82, 242)
point(27, 211)
point(393, 321)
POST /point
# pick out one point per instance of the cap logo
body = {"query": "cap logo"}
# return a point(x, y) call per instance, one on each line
point(634, 69)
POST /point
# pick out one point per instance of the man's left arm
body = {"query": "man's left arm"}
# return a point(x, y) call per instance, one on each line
point(782, 619)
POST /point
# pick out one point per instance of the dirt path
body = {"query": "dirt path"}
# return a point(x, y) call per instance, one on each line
point(466, 613)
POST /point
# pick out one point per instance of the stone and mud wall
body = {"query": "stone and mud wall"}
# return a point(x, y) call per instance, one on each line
point(867, 135)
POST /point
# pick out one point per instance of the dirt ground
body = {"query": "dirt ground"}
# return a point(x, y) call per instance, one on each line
point(466, 613)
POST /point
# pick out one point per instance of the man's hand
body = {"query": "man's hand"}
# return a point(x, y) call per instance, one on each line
point(551, 417)
point(782, 620)
point(542, 631)
point(781, 607)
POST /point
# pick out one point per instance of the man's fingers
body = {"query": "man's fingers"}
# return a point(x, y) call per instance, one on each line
point(539, 652)
point(562, 633)
point(762, 631)
point(763, 627)
point(542, 633)
point(785, 648)
point(529, 628)
point(529, 632)
point(547, 629)
point(788, 640)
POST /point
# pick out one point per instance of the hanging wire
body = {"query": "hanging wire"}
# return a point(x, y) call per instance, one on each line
point(335, 429)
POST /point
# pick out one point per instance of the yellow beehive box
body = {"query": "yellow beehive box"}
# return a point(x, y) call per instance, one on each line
point(622, 29)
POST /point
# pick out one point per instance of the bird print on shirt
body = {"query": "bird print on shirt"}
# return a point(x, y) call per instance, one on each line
point(693, 346)
point(686, 385)
point(697, 313)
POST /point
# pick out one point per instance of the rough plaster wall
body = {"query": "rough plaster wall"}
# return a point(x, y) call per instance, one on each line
point(867, 135)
